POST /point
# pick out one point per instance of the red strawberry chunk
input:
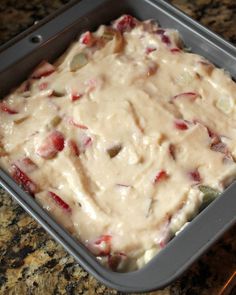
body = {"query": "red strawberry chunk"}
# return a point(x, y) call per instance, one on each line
point(93, 84)
point(125, 24)
point(80, 126)
point(43, 86)
point(22, 179)
point(74, 147)
point(76, 96)
point(162, 244)
point(150, 49)
point(102, 246)
point(58, 200)
point(211, 133)
point(165, 39)
point(53, 144)
point(215, 138)
point(44, 69)
point(216, 144)
point(175, 50)
point(26, 165)
point(161, 175)
point(57, 140)
point(88, 142)
point(164, 239)
point(87, 39)
point(74, 123)
point(25, 86)
point(165, 234)
point(195, 176)
point(181, 125)
point(6, 109)
point(190, 95)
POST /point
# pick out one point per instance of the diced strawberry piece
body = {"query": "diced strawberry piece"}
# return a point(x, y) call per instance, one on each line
point(26, 165)
point(87, 39)
point(165, 239)
point(181, 125)
point(92, 84)
point(161, 175)
point(165, 39)
point(44, 69)
point(22, 179)
point(115, 259)
point(80, 126)
point(29, 164)
point(172, 151)
point(125, 24)
point(57, 140)
point(103, 245)
point(215, 138)
point(162, 244)
point(60, 202)
point(195, 175)
point(150, 49)
point(6, 109)
point(43, 86)
point(25, 86)
point(53, 144)
point(165, 234)
point(211, 133)
point(76, 96)
point(216, 144)
point(190, 95)
point(175, 50)
point(74, 123)
point(88, 142)
point(46, 151)
point(74, 147)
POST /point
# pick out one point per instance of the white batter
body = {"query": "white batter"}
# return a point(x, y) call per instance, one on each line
point(122, 138)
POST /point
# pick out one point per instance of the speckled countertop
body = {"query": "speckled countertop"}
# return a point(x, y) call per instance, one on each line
point(31, 262)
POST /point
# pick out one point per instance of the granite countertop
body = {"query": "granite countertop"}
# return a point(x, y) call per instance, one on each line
point(31, 262)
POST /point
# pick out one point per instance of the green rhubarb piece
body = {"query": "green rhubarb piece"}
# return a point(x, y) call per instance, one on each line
point(55, 121)
point(78, 61)
point(108, 35)
point(209, 195)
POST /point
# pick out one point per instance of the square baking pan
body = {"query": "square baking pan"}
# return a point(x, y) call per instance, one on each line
point(47, 41)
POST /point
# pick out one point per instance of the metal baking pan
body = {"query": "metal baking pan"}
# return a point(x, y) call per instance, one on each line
point(46, 42)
